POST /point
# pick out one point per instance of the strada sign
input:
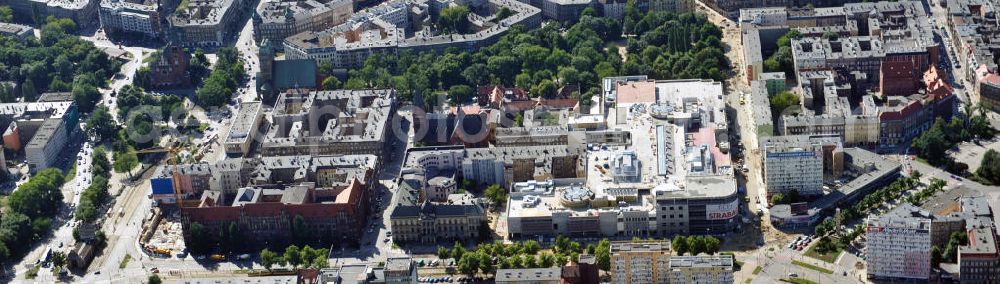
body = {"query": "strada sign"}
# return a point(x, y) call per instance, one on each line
point(722, 211)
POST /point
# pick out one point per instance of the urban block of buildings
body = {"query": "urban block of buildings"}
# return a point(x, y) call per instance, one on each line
point(41, 129)
point(402, 25)
point(973, 29)
point(863, 173)
point(333, 196)
point(674, 175)
point(277, 19)
point(330, 122)
point(900, 242)
point(874, 84)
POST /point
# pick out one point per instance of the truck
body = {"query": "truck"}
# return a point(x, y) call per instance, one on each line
point(244, 256)
point(218, 257)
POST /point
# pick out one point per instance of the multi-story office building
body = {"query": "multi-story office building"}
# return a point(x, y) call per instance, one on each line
point(330, 122)
point(46, 147)
point(800, 163)
point(640, 263)
point(701, 269)
point(134, 16)
point(276, 20)
point(243, 132)
point(206, 22)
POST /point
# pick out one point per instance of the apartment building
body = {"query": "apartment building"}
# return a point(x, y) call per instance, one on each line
point(209, 23)
point(640, 263)
point(701, 269)
point(899, 244)
point(82, 12)
point(134, 16)
point(276, 20)
point(551, 275)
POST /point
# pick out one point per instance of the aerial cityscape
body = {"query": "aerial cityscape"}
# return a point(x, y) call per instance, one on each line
point(499, 141)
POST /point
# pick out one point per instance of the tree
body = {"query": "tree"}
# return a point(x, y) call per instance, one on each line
point(154, 279)
point(454, 19)
point(777, 198)
point(679, 244)
point(531, 247)
point(268, 258)
point(933, 144)
point(496, 194)
point(101, 124)
point(989, 168)
point(293, 256)
point(40, 196)
point(604, 254)
point(468, 264)
point(546, 260)
point(6, 14)
point(125, 161)
point(530, 261)
point(712, 245)
point(935, 256)
point(782, 101)
point(331, 83)
point(198, 238)
point(457, 251)
point(460, 94)
point(503, 13)
point(696, 244)
point(443, 252)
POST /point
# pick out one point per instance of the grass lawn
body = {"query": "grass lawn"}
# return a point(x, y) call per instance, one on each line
point(72, 173)
point(828, 257)
point(33, 272)
point(124, 262)
point(799, 281)
point(757, 270)
point(813, 267)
